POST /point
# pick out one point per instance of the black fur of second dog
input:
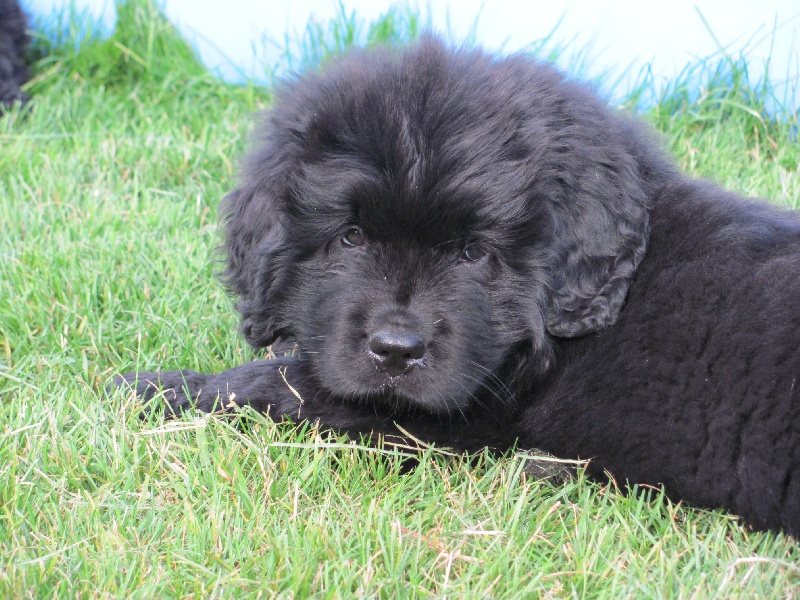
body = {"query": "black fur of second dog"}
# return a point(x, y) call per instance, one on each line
point(480, 252)
point(13, 42)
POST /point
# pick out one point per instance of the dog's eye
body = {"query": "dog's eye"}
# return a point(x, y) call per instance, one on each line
point(472, 253)
point(353, 238)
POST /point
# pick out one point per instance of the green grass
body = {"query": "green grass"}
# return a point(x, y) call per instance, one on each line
point(109, 187)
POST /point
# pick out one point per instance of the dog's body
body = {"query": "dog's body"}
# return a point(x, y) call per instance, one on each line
point(13, 42)
point(481, 253)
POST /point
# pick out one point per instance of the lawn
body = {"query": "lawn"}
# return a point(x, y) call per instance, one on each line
point(109, 187)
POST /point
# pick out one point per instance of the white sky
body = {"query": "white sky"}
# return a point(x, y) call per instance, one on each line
point(617, 36)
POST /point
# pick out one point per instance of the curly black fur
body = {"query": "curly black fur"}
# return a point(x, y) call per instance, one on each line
point(13, 42)
point(480, 251)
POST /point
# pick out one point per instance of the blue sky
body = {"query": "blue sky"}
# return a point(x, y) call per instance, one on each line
point(619, 37)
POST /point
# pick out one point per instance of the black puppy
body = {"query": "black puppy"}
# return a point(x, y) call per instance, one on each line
point(480, 252)
point(13, 41)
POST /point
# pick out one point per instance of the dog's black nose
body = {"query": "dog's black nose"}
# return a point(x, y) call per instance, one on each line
point(396, 353)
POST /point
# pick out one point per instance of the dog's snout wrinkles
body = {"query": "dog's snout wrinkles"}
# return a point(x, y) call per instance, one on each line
point(396, 352)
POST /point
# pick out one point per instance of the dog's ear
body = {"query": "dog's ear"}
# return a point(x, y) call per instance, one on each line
point(601, 226)
point(253, 242)
point(258, 257)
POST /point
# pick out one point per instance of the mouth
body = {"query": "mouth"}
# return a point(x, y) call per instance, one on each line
point(403, 385)
point(408, 392)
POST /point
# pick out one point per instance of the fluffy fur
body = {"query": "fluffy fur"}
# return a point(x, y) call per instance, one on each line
point(481, 252)
point(13, 41)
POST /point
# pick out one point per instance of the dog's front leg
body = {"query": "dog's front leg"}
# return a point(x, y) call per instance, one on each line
point(285, 388)
point(258, 384)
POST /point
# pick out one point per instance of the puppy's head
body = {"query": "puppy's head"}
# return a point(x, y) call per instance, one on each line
point(420, 221)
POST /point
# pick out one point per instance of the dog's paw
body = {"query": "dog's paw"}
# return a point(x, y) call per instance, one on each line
point(177, 390)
